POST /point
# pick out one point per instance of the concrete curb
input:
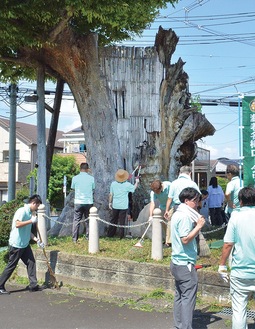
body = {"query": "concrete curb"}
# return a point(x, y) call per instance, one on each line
point(119, 276)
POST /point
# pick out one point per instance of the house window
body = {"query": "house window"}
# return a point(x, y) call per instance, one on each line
point(6, 156)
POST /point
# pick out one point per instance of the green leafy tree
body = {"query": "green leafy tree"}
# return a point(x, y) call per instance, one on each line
point(62, 36)
point(61, 166)
point(222, 181)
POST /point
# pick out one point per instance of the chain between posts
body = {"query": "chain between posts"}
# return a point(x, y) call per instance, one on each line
point(127, 226)
point(101, 220)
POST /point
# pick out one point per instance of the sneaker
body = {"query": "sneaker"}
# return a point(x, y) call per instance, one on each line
point(36, 288)
point(4, 292)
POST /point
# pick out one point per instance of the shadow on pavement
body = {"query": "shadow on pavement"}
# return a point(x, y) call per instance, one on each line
point(205, 320)
point(202, 320)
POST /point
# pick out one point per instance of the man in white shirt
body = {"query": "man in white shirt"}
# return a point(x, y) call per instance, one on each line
point(233, 187)
point(183, 181)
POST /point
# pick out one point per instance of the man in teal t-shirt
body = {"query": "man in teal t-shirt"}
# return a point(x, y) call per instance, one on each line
point(83, 185)
point(186, 223)
point(239, 240)
point(19, 247)
point(118, 201)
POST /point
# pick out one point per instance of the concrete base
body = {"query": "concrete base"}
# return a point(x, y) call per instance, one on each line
point(105, 274)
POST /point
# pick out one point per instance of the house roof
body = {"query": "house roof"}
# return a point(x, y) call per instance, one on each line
point(75, 130)
point(27, 133)
point(79, 157)
point(221, 164)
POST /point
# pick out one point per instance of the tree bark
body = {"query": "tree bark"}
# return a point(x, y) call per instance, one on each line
point(79, 67)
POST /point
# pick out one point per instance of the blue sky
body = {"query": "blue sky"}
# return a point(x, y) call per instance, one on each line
point(217, 40)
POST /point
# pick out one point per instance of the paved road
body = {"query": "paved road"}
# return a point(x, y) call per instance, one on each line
point(52, 309)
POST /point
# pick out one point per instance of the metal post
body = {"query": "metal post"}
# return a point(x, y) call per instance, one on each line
point(93, 231)
point(12, 143)
point(31, 185)
point(240, 139)
point(41, 137)
point(157, 243)
point(42, 223)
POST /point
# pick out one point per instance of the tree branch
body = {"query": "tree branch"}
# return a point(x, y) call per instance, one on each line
point(61, 26)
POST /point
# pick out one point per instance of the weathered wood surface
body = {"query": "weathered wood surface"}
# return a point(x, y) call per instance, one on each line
point(156, 127)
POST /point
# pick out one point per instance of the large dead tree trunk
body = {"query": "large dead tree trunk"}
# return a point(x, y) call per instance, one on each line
point(181, 125)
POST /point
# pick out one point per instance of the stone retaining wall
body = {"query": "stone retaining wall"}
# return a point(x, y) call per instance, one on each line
point(119, 275)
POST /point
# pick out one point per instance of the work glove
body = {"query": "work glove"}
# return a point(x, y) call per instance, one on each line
point(110, 205)
point(223, 272)
point(137, 180)
point(40, 244)
point(150, 219)
point(34, 219)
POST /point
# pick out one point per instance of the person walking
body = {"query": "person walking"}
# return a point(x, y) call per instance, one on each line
point(119, 201)
point(239, 236)
point(159, 193)
point(186, 223)
point(84, 186)
point(215, 202)
point(233, 187)
point(19, 247)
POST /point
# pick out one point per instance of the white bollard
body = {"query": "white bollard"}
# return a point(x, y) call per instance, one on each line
point(42, 223)
point(93, 231)
point(156, 240)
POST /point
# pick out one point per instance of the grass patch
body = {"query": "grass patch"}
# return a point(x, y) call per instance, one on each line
point(115, 248)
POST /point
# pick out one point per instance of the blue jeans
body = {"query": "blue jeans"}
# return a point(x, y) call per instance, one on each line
point(186, 283)
point(240, 289)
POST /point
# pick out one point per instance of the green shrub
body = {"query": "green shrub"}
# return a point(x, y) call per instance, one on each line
point(7, 212)
point(222, 181)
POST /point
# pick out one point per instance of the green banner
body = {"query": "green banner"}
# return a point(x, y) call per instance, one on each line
point(248, 106)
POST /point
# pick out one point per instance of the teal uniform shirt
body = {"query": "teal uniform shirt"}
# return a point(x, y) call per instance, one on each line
point(181, 226)
point(119, 192)
point(162, 196)
point(20, 237)
point(178, 185)
point(233, 188)
point(241, 232)
point(83, 185)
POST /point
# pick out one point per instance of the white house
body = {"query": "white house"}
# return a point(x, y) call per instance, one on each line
point(26, 153)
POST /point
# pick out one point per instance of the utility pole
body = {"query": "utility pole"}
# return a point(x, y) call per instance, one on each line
point(12, 143)
point(41, 136)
